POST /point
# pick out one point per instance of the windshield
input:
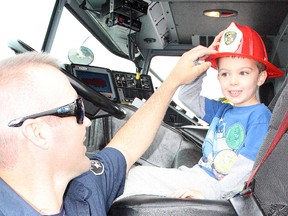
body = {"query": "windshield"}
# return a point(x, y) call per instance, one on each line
point(20, 20)
point(32, 27)
point(71, 35)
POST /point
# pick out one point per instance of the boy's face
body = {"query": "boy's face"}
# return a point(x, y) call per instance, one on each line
point(239, 79)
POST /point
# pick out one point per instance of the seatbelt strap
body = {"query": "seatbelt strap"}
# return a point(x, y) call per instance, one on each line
point(282, 129)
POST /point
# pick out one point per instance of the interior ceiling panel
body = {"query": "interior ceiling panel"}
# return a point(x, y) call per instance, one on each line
point(268, 17)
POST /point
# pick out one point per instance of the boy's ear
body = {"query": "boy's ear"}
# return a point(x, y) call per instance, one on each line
point(34, 130)
point(262, 78)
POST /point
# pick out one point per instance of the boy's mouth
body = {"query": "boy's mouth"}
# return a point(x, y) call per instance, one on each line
point(235, 93)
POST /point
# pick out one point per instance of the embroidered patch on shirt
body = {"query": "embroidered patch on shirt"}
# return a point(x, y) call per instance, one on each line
point(97, 167)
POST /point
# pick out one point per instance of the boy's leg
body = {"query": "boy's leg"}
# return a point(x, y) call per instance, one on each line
point(164, 181)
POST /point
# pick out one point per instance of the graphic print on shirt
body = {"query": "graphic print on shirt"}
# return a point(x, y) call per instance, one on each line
point(235, 136)
point(220, 137)
point(221, 146)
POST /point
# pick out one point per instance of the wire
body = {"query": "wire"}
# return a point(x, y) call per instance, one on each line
point(83, 6)
point(130, 40)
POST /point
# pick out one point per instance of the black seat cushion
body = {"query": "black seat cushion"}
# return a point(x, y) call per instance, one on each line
point(156, 205)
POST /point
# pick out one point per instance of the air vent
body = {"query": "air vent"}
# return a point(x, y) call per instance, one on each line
point(202, 40)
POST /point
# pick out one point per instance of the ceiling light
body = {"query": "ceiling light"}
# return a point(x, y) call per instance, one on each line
point(220, 13)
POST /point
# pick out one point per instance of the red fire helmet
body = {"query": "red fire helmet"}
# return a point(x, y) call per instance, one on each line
point(245, 42)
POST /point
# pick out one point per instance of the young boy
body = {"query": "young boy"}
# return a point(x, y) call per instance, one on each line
point(236, 131)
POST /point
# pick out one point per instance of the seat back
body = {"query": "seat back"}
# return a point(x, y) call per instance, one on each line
point(271, 188)
point(266, 93)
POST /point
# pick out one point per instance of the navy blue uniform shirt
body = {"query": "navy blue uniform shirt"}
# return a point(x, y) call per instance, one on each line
point(92, 193)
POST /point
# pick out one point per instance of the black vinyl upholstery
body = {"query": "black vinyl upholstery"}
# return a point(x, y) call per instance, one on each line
point(266, 93)
point(141, 205)
point(271, 186)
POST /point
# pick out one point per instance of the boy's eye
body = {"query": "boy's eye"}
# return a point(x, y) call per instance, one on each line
point(243, 73)
point(223, 74)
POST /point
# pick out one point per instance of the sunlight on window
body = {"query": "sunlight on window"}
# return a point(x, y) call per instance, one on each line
point(20, 20)
point(68, 38)
point(162, 66)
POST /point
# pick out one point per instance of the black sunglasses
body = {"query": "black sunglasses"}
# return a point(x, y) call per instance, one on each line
point(76, 108)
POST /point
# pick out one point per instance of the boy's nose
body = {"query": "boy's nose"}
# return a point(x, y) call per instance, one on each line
point(234, 79)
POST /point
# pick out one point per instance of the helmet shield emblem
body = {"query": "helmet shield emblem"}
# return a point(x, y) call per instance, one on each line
point(231, 39)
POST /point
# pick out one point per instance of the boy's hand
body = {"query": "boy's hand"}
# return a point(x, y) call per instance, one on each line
point(187, 193)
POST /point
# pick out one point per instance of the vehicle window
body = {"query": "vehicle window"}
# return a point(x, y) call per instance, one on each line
point(162, 66)
point(20, 20)
point(32, 26)
point(71, 35)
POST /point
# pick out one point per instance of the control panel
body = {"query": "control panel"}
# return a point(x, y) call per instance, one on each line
point(128, 86)
point(118, 86)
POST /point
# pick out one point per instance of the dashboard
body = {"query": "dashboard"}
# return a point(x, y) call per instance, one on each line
point(118, 86)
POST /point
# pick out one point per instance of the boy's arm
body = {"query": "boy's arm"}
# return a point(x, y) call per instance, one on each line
point(190, 96)
point(223, 189)
point(234, 182)
point(138, 133)
point(202, 107)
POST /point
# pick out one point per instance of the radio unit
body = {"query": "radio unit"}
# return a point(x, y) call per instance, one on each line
point(128, 87)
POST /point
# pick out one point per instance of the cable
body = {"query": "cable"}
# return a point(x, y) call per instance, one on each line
point(83, 6)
